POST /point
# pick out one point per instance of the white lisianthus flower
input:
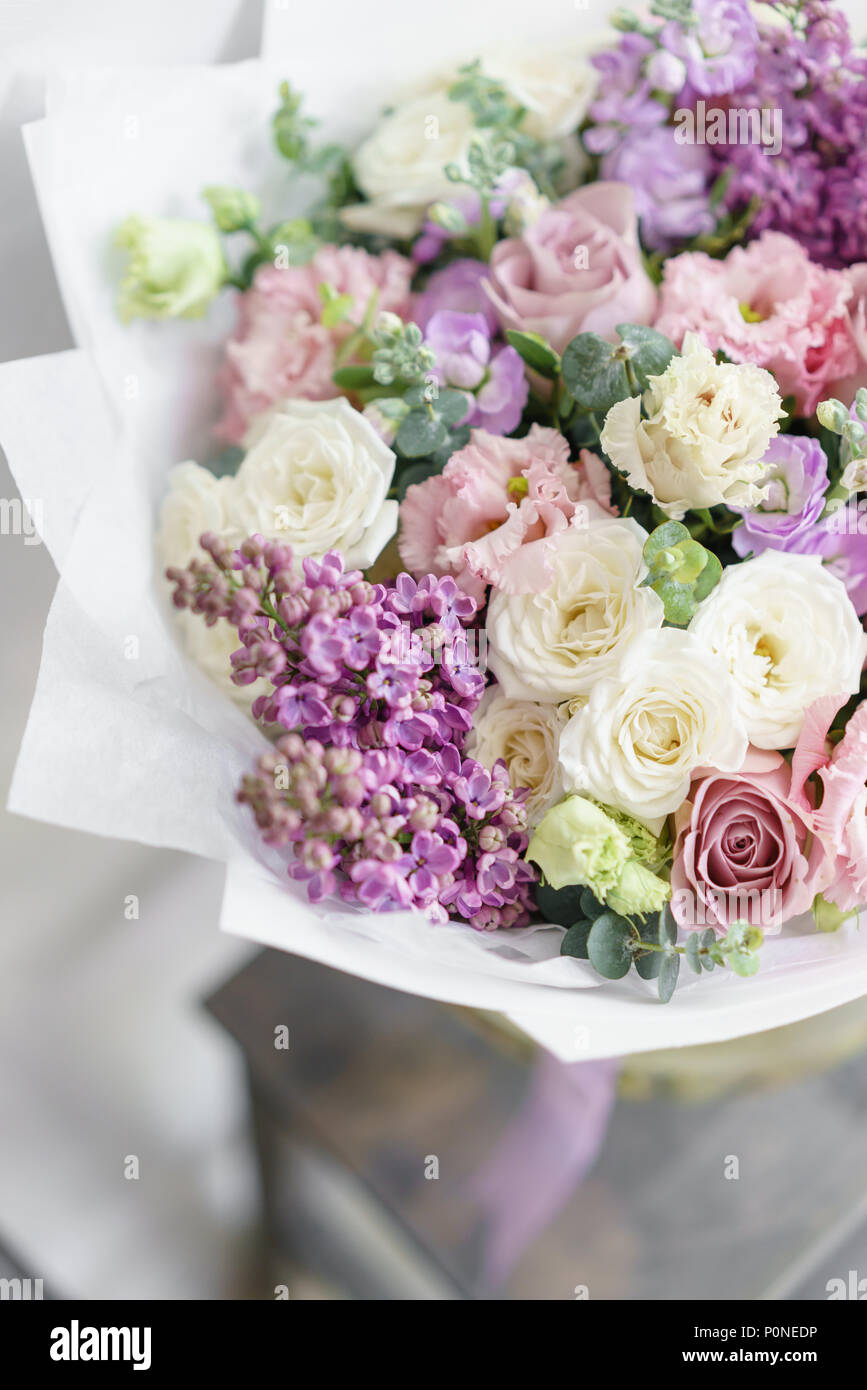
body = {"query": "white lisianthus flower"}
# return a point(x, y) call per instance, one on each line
point(558, 643)
point(707, 429)
point(667, 709)
point(400, 167)
point(554, 87)
point(788, 633)
point(525, 734)
point(316, 476)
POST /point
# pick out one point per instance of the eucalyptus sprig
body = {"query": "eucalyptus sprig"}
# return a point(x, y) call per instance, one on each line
point(613, 945)
point(680, 570)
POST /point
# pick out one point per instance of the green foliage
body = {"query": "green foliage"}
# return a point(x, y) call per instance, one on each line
point(612, 943)
point(680, 570)
point(537, 354)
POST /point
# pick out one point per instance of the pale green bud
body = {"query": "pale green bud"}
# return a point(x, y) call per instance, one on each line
point(232, 207)
point(175, 268)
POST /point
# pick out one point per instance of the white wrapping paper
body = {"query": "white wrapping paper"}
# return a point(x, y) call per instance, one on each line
point(125, 737)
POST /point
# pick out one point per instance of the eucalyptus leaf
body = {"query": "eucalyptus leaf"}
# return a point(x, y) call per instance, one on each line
point(414, 473)
point(574, 941)
point(649, 965)
point(650, 350)
point(609, 945)
point(667, 929)
point(691, 952)
point(590, 905)
point(667, 978)
point(420, 433)
point(562, 906)
point(593, 376)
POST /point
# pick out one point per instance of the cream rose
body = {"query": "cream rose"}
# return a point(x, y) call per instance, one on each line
point(316, 475)
point(555, 88)
point(708, 426)
point(558, 643)
point(787, 632)
point(666, 710)
point(197, 501)
point(400, 167)
point(525, 734)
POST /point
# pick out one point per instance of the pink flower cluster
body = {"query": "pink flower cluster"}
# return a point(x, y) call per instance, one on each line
point(282, 348)
point(769, 304)
point(488, 518)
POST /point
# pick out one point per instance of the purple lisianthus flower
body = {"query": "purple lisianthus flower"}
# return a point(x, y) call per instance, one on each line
point(669, 182)
point(462, 345)
point(466, 362)
point(796, 479)
point(500, 401)
point(840, 540)
point(457, 287)
point(719, 49)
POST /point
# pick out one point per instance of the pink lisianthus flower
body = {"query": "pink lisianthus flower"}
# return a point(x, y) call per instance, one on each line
point(488, 517)
point(282, 348)
point(747, 844)
point(578, 268)
point(769, 304)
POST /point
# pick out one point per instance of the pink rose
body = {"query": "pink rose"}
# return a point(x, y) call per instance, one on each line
point(768, 303)
point(487, 518)
point(282, 348)
point(842, 816)
point(578, 268)
point(746, 847)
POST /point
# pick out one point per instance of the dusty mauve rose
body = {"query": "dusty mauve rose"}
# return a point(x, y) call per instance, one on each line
point(577, 269)
point(746, 847)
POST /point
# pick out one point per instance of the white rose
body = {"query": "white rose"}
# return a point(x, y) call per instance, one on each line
point(556, 644)
point(525, 735)
point(554, 87)
point(707, 429)
point(316, 476)
point(666, 710)
point(196, 501)
point(788, 633)
point(400, 167)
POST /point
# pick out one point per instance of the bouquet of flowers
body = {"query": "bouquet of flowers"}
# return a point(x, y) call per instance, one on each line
point(529, 533)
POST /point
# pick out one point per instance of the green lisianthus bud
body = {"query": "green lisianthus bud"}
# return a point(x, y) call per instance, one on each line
point(175, 268)
point(638, 891)
point(232, 207)
point(576, 842)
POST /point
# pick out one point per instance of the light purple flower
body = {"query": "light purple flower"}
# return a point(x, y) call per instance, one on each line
point(841, 542)
point(796, 477)
point(500, 401)
point(458, 287)
point(669, 183)
point(719, 49)
point(462, 346)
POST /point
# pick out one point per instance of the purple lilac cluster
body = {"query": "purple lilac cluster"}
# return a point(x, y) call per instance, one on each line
point(649, 73)
point(816, 189)
point(429, 829)
point(377, 684)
